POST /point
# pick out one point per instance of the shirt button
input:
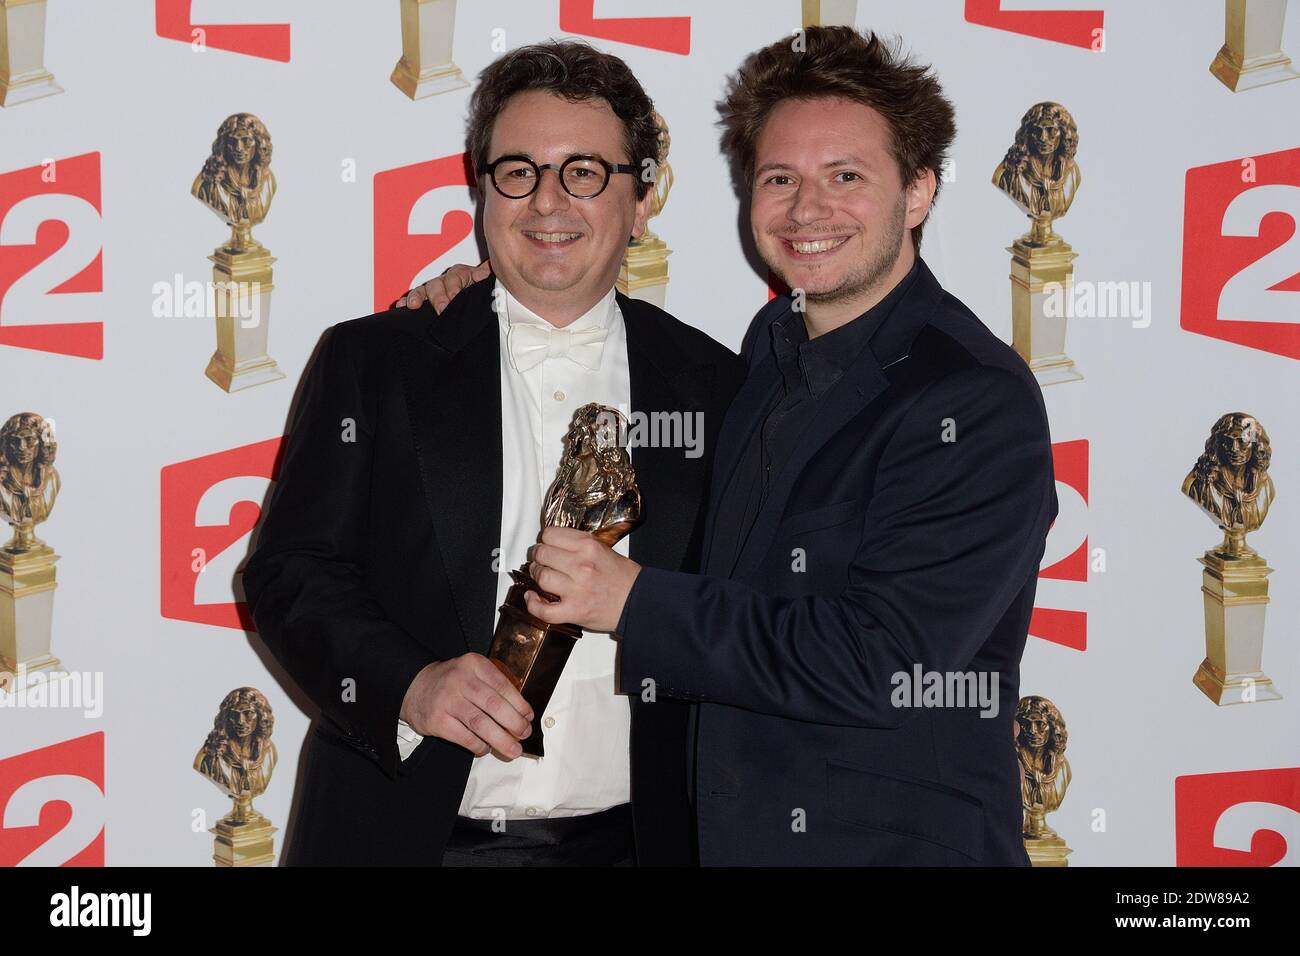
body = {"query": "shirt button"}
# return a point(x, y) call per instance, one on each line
point(548, 723)
point(532, 811)
point(558, 396)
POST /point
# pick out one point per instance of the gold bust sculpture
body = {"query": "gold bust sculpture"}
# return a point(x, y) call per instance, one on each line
point(595, 486)
point(236, 181)
point(1230, 480)
point(663, 171)
point(29, 483)
point(1044, 771)
point(238, 755)
point(1039, 172)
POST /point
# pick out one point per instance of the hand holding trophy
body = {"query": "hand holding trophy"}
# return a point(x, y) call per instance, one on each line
point(594, 490)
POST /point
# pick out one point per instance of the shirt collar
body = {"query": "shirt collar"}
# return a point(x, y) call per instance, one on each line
point(599, 316)
point(820, 362)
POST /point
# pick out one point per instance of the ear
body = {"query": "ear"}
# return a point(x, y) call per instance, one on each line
point(920, 194)
point(642, 212)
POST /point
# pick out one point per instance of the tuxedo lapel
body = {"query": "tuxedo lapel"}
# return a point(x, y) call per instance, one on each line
point(738, 429)
point(453, 394)
point(663, 379)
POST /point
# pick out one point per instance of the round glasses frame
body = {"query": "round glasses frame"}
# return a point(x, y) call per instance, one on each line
point(610, 169)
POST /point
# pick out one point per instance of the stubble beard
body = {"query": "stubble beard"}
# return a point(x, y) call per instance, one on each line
point(867, 275)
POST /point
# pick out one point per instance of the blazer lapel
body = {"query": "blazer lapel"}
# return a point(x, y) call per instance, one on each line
point(742, 419)
point(453, 394)
point(662, 379)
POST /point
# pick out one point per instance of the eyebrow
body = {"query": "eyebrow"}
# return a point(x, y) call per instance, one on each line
point(596, 155)
point(528, 154)
point(843, 161)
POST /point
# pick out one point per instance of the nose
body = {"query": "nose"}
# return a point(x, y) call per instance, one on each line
point(549, 196)
point(810, 203)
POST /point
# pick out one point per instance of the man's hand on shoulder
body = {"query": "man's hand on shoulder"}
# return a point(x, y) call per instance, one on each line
point(468, 701)
point(441, 290)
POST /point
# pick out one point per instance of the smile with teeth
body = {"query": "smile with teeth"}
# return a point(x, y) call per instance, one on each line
point(820, 245)
point(551, 236)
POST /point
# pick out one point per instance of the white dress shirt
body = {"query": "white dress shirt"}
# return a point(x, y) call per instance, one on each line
point(586, 724)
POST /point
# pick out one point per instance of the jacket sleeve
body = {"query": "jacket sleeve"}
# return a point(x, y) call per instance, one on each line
point(952, 532)
point(304, 583)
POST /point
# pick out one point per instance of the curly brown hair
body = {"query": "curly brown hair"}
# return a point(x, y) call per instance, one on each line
point(1207, 466)
point(577, 72)
point(215, 165)
point(1017, 157)
point(841, 62)
point(1034, 706)
point(220, 732)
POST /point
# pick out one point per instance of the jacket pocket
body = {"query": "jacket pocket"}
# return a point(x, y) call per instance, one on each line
point(824, 517)
point(921, 809)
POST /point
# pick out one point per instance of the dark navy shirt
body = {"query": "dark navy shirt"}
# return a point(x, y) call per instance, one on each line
point(808, 369)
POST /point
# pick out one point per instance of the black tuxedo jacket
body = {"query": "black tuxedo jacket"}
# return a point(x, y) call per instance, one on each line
point(375, 559)
point(905, 530)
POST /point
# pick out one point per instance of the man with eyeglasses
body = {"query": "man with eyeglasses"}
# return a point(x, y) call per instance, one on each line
point(412, 482)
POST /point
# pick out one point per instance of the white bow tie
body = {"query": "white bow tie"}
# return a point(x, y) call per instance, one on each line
point(529, 344)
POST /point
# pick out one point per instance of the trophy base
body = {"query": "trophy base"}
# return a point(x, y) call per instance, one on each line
point(39, 663)
point(1041, 270)
point(417, 86)
point(829, 13)
point(27, 586)
point(25, 89)
point(1246, 76)
point(1047, 851)
point(1234, 588)
point(644, 273)
point(531, 653)
point(1055, 371)
point(248, 843)
point(241, 277)
point(257, 372)
point(654, 292)
point(1224, 689)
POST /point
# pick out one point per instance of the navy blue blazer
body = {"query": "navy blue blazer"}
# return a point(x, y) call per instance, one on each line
point(906, 530)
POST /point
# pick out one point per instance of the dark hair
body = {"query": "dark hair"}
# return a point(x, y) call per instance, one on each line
point(841, 62)
point(576, 71)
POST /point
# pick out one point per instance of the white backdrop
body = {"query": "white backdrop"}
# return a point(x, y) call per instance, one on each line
point(1147, 110)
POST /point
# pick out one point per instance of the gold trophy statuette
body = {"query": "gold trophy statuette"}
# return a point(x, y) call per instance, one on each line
point(1044, 777)
point(237, 184)
point(239, 758)
point(29, 485)
point(1230, 483)
point(425, 67)
point(644, 273)
point(1251, 54)
point(1040, 175)
point(594, 490)
point(23, 75)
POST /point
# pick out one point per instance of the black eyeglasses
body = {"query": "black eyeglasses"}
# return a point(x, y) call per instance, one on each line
point(583, 177)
